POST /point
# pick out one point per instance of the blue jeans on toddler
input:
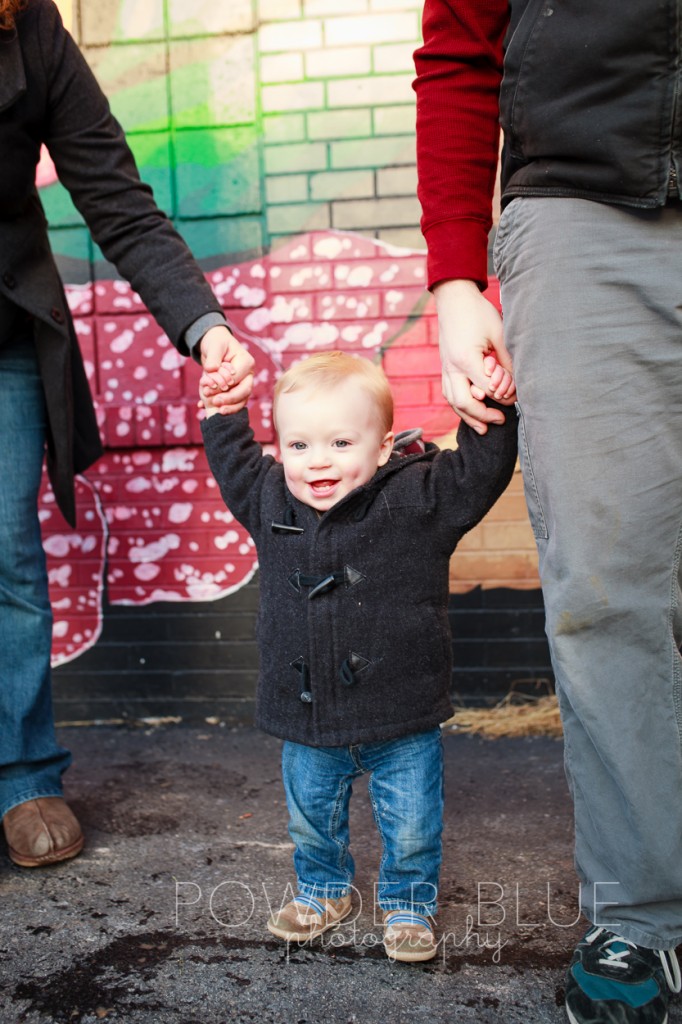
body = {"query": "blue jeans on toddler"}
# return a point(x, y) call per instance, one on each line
point(406, 792)
point(31, 762)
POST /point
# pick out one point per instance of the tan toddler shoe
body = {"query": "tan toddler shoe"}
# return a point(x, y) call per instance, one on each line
point(305, 917)
point(408, 936)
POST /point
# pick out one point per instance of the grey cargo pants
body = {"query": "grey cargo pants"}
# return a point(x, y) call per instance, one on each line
point(592, 298)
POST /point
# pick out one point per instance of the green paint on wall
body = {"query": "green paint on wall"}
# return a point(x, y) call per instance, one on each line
point(153, 156)
point(216, 240)
point(58, 206)
point(217, 172)
point(73, 249)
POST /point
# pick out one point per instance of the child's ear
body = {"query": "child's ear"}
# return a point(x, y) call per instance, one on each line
point(386, 448)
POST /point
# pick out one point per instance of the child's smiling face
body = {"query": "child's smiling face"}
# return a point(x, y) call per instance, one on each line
point(331, 442)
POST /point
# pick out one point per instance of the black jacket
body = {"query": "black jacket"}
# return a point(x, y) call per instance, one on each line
point(591, 102)
point(353, 631)
point(49, 95)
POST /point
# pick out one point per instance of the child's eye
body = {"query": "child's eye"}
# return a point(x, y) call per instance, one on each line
point(342, 444)
point(298, 446)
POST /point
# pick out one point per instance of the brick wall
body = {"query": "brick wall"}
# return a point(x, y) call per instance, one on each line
point(257, 121)
point(339, 119)
point(279, 136)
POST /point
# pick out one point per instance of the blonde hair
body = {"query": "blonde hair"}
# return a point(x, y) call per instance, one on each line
point(329, 369)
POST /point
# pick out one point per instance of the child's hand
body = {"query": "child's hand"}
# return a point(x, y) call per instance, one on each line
point(501, 384)
point(229, 399)
point(206, 402)
point(227, 381)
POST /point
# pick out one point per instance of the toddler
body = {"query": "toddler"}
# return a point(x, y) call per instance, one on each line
point(354, 531)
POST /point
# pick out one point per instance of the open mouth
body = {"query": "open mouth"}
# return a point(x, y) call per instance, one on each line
point(320, 488)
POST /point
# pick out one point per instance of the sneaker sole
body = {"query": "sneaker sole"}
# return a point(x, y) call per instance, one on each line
point(411, 958)
point(574, 1020)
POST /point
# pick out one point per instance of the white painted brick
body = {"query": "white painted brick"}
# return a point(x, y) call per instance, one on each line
point(286, 188)
point(320, 8)
point(278, 10)
point(381, 152)
point(284, 128)
point(394, 120)
point(206, 17)
point(339, 124)
point(370, 92)
point(290, 35)
point(372, 28)
point(342, 185)
point(305, 156)
point(121, 20)
point(375, 213)
point(405, 238)
point(396, 57)
point(282, 67)
point(298, 217)
point(396, 5)
point(303, 96)
point(351, 60)
point(397, 181)
point(214, 76)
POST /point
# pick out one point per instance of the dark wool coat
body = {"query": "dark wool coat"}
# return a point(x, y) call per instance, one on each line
point(49, 95)
point(353, 632)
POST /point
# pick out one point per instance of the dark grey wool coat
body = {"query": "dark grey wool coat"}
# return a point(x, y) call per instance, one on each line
point(49, 95)
point(353, 632)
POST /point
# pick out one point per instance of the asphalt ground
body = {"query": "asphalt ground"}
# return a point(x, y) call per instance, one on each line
point(161, 920)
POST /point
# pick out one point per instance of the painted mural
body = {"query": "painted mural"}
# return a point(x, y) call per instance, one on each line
point(279, 136)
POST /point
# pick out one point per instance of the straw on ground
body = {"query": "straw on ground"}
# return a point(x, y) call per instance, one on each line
point(517, 714)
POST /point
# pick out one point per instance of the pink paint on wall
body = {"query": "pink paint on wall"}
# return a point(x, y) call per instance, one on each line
point(149, 509)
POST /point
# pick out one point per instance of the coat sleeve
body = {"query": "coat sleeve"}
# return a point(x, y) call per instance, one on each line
point(459, 70)
point(469, 479)
point(94, 162)
point(239, 466)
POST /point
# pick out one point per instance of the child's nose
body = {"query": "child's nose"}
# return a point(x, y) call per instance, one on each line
point(319, 456)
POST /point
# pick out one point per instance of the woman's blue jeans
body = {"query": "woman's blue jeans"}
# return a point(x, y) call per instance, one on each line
point(31, 762)
point(406, 792)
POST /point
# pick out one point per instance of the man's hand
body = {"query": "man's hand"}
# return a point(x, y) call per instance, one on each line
point(470, 329)
point(227, 380)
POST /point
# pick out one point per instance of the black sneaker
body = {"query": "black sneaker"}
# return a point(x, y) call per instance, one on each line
point(613, 981)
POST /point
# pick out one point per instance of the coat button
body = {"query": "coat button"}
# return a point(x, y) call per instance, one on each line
point(57, 315)
point(9, 279)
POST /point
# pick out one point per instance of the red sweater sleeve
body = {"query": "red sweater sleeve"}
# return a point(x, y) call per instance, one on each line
point(459, 70)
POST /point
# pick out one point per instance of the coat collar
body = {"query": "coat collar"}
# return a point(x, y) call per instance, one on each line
point(363, 496)
point(12, 74)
